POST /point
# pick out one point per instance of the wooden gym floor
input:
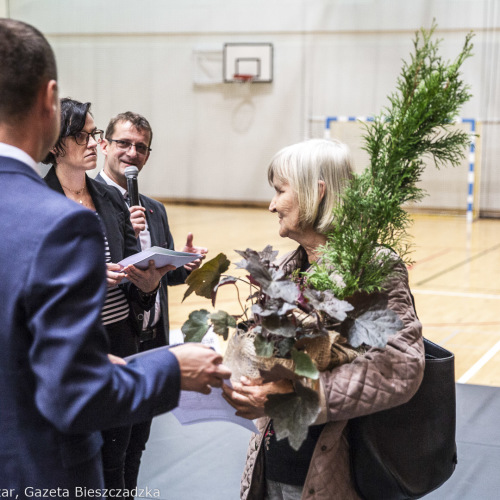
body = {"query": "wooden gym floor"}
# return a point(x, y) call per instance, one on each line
point(455, 277)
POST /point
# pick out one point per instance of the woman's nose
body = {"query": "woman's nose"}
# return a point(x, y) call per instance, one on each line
point(92, 142)
point(272, 206)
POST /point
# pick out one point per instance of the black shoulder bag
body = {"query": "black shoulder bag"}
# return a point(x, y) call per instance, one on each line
point(410, 450)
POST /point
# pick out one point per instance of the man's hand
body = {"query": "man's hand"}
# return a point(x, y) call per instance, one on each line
point(148, 279)
point(114, 274)
point(192, 249)
point(249, 397)
point(201, 367)
point(138, 219)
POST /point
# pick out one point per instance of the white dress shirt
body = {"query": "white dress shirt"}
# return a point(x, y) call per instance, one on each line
point(18, 154)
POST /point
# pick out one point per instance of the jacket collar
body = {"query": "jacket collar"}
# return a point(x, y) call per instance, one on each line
point(96, 190)
point(9, 151)
point(16, 166)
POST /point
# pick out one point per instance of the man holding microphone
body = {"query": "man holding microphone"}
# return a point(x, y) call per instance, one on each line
point(127, 147)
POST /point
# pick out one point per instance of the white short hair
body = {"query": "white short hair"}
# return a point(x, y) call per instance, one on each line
point(302, 166)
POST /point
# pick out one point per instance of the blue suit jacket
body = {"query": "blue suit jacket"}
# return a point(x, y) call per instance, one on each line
point(56, 385)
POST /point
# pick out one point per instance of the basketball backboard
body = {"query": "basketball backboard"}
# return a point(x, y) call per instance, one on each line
point(248, 59)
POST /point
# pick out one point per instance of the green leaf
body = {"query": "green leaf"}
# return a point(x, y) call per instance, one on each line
point(285, 346)
point(263, 347)
point(196, 326)
point(279, 325)
point(374, 327)
point(304, 365)
point(203, 280)
point(221, 322)
point(293, 413)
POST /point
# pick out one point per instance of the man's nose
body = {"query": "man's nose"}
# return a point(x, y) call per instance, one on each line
point(132, 150)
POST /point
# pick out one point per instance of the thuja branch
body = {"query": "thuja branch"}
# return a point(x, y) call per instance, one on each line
point(417, 123)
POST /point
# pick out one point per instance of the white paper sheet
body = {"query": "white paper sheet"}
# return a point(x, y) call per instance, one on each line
point(195, 408)
point(161, 256)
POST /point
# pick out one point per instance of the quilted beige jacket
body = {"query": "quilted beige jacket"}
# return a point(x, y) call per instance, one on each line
point(377, 380)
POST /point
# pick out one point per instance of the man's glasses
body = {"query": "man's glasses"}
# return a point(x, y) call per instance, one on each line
point(141, 149)
point(82, 138)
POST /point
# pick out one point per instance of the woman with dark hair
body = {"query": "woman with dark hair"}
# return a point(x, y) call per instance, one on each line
point(74, 154)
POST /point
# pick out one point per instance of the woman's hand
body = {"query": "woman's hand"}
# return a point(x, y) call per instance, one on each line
point(249, 396)
point(114, 275)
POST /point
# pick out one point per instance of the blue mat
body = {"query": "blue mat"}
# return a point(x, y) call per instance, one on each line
point(194, 462)
point(205, 461)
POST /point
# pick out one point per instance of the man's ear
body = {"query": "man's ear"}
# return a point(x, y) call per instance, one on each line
point(104, 147)
point(50, 99)
point(321, 189)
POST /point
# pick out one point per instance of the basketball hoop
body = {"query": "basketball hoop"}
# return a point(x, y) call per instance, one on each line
point(244, 81)
point(243, 78)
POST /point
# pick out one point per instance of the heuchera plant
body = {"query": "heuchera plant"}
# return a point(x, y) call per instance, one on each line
point(286, 316)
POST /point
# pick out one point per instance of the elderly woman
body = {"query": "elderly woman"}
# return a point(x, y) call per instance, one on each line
point(74, 154)
point(308, 179)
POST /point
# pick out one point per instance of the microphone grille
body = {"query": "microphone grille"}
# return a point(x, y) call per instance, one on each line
point(131, 171)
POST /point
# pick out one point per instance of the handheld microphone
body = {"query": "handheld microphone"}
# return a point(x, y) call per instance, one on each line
point(132, 187)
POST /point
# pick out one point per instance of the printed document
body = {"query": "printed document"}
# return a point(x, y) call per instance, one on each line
point(161, 256)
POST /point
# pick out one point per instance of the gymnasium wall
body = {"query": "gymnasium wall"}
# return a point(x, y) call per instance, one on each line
point(212, 140)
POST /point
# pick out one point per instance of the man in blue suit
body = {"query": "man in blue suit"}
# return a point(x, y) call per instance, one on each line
point(57, 386)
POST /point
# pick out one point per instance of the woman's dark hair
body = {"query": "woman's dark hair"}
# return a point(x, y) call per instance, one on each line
point(73, 116)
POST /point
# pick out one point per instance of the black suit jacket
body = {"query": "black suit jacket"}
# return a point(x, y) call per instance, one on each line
point(114, 215)
point(157, 220)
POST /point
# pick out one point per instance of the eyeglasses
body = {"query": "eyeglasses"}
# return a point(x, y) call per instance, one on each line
point(82, 138)
point(141, 149)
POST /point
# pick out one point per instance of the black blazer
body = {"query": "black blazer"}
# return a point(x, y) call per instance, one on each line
point(156, 215)
point(114, 215)
point(157, 219)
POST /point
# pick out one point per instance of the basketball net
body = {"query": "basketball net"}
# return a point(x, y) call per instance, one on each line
point(244, 81)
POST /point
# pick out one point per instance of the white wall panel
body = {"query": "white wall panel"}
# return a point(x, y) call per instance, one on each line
point(331, 57)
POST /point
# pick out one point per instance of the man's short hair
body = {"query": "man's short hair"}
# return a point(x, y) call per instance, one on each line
point(26, 63)
point(137, 120)
point(302, 166)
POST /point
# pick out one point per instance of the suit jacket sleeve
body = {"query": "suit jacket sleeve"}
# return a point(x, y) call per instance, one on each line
point(76, 387)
